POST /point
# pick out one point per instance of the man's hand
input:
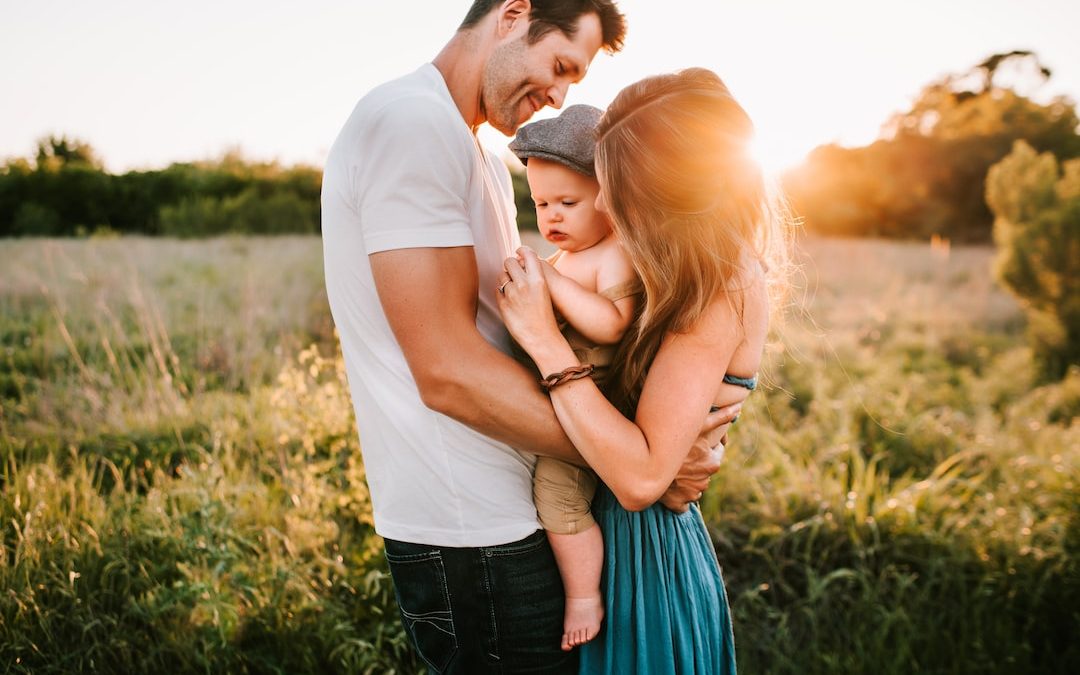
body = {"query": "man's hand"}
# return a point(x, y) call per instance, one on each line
point(702, 461)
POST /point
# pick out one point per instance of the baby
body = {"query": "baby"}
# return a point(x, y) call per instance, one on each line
point(595, 292)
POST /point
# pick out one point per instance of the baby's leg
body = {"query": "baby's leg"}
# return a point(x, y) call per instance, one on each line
point(563, 493)
point(581, 559)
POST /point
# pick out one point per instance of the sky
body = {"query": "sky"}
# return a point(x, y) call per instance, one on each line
point(150, 83)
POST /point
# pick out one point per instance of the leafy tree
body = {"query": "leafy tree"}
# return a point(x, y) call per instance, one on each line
point(526, 209)
point(1037, 230)
point(54, 152)
point(978, 103)
point(927, 174)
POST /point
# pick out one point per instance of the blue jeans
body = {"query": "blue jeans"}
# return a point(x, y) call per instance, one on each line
point(492, 609)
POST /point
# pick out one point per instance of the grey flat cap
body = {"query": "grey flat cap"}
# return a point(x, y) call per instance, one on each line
point(568, 139)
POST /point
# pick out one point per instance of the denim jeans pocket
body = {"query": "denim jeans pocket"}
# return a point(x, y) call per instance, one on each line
point(424, 602)
point(528, 606)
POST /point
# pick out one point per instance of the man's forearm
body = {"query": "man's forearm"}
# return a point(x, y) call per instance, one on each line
point(430, 298)
point(492, 393)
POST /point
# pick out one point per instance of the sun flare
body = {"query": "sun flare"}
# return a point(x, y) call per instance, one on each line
point(771, 157)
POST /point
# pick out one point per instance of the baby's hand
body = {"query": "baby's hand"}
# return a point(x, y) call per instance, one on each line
point(520, 253)
point(549, 271)
point(546, 267)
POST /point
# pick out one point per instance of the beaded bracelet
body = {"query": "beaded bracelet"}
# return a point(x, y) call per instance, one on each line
point(562, 377)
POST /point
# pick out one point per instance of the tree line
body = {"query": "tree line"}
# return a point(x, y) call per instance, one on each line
point(925, 176)
point(65, 191)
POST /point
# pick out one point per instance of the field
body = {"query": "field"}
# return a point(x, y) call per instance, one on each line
point(181, 487)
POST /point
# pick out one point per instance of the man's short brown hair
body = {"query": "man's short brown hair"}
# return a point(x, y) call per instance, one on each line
point(549, 15)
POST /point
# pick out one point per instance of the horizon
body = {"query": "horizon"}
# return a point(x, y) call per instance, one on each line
point(148, 86)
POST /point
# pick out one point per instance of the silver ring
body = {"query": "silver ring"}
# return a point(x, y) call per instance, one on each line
point(502, 289)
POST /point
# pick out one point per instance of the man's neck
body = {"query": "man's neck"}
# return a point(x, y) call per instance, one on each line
point(461, 63)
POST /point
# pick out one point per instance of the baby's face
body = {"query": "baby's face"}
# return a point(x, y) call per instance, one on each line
point(566, 205)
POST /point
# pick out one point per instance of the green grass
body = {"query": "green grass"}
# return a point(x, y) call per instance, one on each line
point(181, 488)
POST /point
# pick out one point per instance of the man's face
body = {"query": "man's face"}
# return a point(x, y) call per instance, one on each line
point(520, 79)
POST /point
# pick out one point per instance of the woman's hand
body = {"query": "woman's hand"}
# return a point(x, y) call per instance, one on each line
point(525, 303)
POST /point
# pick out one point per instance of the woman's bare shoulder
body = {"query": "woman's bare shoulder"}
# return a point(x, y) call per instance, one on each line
point(739, 313)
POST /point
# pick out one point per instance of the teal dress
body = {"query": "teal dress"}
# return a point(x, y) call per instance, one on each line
point(666, 610)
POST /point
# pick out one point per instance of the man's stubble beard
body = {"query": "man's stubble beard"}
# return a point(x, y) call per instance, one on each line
point(502, 91)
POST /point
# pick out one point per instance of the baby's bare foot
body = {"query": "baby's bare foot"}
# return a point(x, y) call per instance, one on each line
point(581, 622)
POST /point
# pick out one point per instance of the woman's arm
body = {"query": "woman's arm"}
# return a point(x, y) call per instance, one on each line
point(637, 460)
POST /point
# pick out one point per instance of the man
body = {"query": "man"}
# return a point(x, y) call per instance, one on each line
point(417, 221)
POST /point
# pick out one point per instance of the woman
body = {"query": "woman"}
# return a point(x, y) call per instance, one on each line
point(692, 211)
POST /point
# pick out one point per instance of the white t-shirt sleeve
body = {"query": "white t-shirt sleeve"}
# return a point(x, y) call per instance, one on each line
point(414, 189)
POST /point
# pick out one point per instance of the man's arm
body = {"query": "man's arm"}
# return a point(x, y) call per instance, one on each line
point(429, 296)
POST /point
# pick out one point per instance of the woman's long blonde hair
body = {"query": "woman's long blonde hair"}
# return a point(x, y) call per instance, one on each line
point(689, 204)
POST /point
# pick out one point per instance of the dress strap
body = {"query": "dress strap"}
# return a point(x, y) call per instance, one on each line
point(623, 290)
point(748, 382)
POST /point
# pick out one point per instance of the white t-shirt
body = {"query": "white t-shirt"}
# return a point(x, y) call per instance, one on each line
point(406, 172)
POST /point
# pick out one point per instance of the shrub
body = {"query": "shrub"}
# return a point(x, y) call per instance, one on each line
point(33, 219)
point(1037, 230)
point(246, 213)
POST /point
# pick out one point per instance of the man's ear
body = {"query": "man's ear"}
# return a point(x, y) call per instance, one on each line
point(511, 14)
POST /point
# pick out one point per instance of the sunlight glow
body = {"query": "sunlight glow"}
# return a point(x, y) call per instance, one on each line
point(774, 158)
point(118, 74)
